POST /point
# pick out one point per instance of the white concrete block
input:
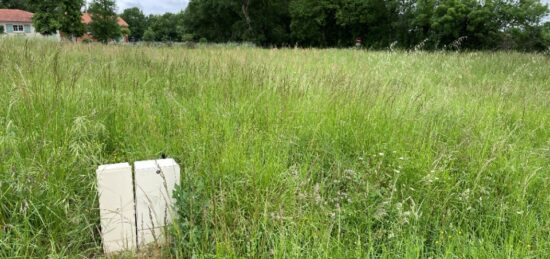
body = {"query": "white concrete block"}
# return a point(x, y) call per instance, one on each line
point(155, 181)
point(116, 207)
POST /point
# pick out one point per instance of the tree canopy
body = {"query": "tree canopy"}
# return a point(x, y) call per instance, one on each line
point(472, 24)
point(17, 4)
point(51, 16)
point(136, 21)
point(70, 17)
point(104, 26)
point(427, 24)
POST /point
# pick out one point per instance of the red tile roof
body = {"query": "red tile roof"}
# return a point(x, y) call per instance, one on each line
point(87, 19)
point(15, 15)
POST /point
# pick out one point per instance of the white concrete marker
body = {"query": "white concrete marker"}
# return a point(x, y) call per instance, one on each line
point(116, 207)
point(155, 181)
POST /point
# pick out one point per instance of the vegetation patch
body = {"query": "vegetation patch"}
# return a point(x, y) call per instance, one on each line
point(284, 153)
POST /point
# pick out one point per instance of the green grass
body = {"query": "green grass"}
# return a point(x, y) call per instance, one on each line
point(284, 153)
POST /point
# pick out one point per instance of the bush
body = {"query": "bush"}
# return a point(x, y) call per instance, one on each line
point(149, 35)
point(187, 37)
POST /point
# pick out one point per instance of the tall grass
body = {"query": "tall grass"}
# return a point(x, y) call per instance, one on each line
point(284, 153)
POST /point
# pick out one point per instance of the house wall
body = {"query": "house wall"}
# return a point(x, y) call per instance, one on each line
point(28, 30)
point(8, 28)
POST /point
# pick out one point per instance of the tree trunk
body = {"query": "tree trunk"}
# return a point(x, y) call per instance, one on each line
point(245, 5)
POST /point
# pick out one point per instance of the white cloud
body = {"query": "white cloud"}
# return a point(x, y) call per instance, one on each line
point(153, 6)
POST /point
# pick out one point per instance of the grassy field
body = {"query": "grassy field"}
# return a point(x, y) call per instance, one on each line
point(284, 153)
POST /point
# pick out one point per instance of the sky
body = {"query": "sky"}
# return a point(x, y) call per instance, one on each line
point(154, 6)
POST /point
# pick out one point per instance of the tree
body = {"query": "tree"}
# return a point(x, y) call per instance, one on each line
point(373, 20)
point(104, 26)
point(149, 35)
point(46, 19)
point(70, 17)
point(432, 24)
point(265, 22)
point(136, 21)
point(58, 15)
point(314, 22)
point(17, 4)
point(165, 27)
point(212, 19)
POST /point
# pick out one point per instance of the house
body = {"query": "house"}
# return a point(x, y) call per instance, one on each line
point(16, 22)
point(87, 19)
point(19, 22)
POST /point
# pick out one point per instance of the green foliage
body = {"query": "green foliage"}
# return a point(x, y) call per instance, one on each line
point(212, 19)
point(546, 35)
point(87, 41)
point(17, 4)
point(47, 18)
point(187, 37)
point(263, 22)
point(58, 15)
point(104, 26)
point(165, 27)
point(125, 31)
point(137, 22)
point(2, 29)
point(430, 24)
point(313, 22)
point(149, 35)
point(70, 17)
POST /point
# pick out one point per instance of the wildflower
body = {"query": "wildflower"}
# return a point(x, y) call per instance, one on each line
point(316, 193)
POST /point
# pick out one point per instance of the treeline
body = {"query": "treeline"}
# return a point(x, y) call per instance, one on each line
point(430, 24)
point(426, 24)
point(378, 24)
point(167, 27)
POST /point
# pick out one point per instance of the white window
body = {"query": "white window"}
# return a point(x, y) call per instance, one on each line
point(18, 28)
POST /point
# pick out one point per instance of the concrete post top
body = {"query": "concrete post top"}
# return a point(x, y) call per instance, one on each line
point(113, 167)
point(154, 163)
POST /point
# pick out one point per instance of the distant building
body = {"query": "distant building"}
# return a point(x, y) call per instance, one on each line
point(87, 19)
point(16, 22)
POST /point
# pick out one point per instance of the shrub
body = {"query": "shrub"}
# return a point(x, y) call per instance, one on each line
point(187, 37)
point(87, 41)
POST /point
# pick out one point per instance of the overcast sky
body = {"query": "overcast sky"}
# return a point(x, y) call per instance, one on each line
point(163, 6)
point(153, 6)
point(548, 2)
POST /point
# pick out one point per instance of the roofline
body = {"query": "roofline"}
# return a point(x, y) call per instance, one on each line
point(16, 10)
point(2, 21)
point(11, 9)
